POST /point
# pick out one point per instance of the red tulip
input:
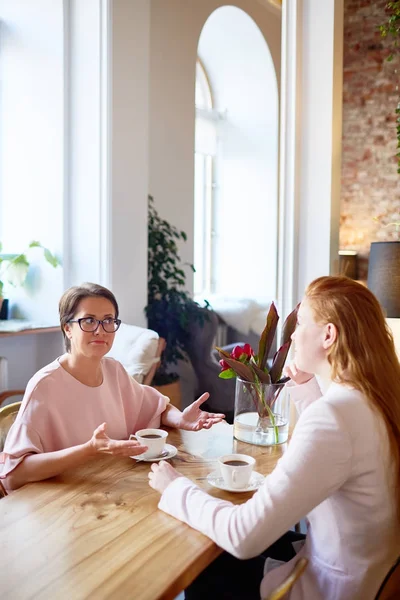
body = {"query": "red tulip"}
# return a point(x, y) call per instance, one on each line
point(248, 350)
point(237, 352)
point(224, 365)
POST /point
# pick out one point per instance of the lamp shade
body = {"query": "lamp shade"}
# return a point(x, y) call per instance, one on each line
point(384, 275)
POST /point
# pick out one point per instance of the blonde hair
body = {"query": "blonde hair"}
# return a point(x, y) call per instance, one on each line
point(363, 354)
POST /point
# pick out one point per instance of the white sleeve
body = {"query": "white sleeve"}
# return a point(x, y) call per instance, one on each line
point(316, 464)
point(305, 394)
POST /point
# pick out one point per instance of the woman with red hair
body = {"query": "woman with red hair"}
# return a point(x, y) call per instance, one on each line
point(341, 468)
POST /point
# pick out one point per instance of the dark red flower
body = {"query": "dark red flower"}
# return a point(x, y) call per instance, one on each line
point(237, 352)
point(248, 350)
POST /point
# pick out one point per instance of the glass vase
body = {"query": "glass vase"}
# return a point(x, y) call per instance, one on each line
point(261, 413)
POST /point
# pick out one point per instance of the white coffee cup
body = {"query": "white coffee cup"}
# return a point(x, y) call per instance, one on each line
point(154, 439)
point(236, 469)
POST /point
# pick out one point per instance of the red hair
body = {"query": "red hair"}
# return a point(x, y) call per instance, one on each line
point(363, 355)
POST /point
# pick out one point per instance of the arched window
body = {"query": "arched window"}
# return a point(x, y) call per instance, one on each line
point(236, 175)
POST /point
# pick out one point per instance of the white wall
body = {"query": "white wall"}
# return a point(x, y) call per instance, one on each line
point(175, 30)
point(83, 210)
point(129, 126)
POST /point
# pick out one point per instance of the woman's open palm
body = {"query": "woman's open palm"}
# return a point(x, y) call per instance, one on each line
point(194, 419)
point(100, 442)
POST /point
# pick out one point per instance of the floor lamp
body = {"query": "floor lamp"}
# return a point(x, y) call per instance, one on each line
point(384, 282)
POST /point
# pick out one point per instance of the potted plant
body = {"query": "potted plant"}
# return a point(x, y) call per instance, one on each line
point(14, 269)
point(170, 309)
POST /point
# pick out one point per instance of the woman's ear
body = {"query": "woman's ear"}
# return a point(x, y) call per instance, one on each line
point(330, 335)
point(67, 330)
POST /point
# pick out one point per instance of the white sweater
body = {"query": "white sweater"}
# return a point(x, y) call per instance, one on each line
point(336, 471)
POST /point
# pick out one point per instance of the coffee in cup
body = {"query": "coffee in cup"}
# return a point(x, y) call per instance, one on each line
point(154, 439)
point(236, 469)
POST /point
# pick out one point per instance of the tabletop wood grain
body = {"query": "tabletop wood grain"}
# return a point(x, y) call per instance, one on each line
point(96, 532)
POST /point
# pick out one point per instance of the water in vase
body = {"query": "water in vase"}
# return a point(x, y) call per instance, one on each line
point(246, 428)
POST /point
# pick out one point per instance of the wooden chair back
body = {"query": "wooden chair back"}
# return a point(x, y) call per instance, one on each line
point(148, 378)
point(9, 394)
point(282, 590)
point(3, 492)
point(390, 588)
point(8, 414)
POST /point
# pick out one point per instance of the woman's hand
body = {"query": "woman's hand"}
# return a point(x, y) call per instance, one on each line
point(297, 376)
point(194, 419)
point(100, 442)
point(161, 475)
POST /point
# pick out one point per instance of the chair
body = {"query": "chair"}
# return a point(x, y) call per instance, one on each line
point(204, 360)
point(390, 588)
point(139, 350)
point(285, 587)
point(9, 394)
point(8, 414)
point(206, 368)
point(3, 492)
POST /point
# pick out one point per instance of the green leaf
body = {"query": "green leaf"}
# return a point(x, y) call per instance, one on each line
point(1, 289)
point(267, 336)
point(227, 374)
point(17, 270)
point(35, 244)
point(51, 258)
point(244, 371)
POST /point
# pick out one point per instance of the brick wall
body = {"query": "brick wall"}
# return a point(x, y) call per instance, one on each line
point(371, 91)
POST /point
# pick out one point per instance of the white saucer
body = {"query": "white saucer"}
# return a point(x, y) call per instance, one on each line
point(169, 452)
point(256, 480)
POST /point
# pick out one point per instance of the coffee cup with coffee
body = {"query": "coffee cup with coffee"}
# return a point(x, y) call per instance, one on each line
point(154, 439)
point(236, 469)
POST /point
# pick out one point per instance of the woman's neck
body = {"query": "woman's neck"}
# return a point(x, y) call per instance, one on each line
point(87, 371)
point(324, 374)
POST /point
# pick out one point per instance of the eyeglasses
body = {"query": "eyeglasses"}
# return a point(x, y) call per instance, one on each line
point(90, 324)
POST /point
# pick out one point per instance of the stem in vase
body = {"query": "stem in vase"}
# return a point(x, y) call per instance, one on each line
point(260, 392)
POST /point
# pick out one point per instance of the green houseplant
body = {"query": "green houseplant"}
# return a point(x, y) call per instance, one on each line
point(170, 310)
point(14, 267)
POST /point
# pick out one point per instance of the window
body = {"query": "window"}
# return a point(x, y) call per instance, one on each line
point(236, 187)
point(205, 151)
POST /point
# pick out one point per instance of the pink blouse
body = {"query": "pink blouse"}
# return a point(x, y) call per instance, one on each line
point(58, 411)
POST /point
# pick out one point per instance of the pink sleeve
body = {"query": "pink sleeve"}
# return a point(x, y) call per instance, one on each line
point(153, 405)
point(305, 394)
point(21, 441)
point(147, 403)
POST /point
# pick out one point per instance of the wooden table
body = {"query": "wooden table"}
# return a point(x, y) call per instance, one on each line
point(96, 532)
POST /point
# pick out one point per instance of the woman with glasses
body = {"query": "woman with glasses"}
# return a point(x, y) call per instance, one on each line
point(83, 404)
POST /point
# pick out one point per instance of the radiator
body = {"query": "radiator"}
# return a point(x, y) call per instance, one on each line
point(3, 373)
